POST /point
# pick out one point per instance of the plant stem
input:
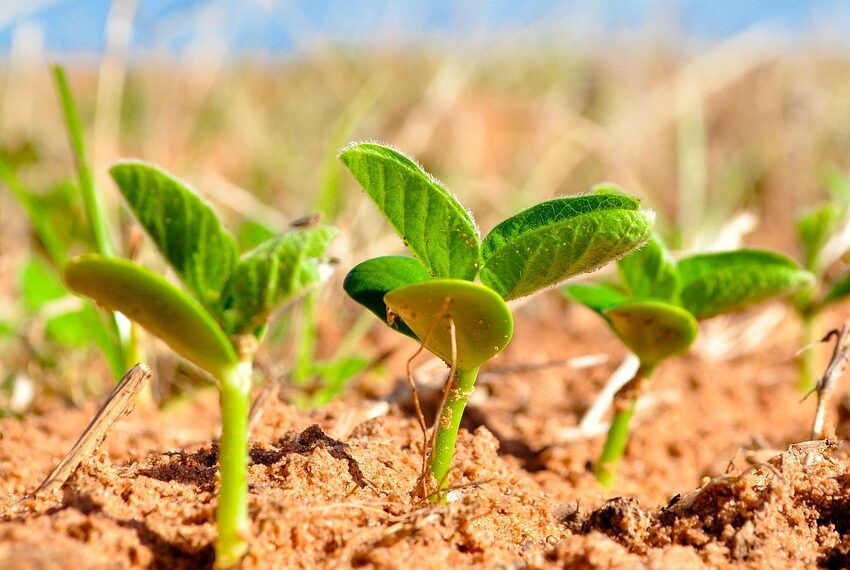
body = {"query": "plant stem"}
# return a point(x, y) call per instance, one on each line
point(625, 402)
point(91, 200)
point(447, 425)
point(807, 362)
point(305, 342)
point(232, 513)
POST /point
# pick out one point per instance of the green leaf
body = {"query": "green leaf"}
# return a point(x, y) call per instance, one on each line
point(595, 296)
point(335, 376)
point(251, 234)
point(39, 284)
point(554, 240)
point(483, 322)
point(650, 272)
point(368, 282)
point(714, 283)
point(69, 329)
point(814, 229)
point(434, 226)
point(157, 305)
point(839, 290)
point(184, 228)
point(652, 330)
point(838, 185)
point(272, 273)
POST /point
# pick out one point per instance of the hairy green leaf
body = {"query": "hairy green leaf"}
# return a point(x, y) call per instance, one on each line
point(649, 272)
point(368, 282)
point(184, 228)
point(483, 322)
point(273, 273)
point(653, 330)
point(715, 283)
point(839, 290)
point(157, 305)
point(814, 229)
point(554, 240)
point(435, 227)
point(595, 296)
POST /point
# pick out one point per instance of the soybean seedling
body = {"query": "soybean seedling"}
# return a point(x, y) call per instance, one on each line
point(823, 237)
point(655, 312)
point(432, 297)
point(219, 321)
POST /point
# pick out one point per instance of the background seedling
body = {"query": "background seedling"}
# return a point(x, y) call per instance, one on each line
point(432, 297)
point(656, 308)
point(220, 322)
point(824, 238)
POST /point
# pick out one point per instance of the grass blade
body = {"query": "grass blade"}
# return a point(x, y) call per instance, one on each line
point(91, 200)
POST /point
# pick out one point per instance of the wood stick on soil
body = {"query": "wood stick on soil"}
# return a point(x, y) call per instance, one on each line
point(120, 402)
point(834, 371)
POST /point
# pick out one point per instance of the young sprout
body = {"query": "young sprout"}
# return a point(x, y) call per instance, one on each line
point(655, 312)
point(220, 322)
point(822, 234)
point(432, 297)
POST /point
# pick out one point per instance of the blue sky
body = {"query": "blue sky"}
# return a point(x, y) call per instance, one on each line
point(281, 26)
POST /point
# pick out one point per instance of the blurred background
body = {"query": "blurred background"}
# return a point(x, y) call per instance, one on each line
point(709, 111)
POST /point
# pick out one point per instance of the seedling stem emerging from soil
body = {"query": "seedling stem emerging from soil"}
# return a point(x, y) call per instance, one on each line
point(219, 323)
point(433, 298)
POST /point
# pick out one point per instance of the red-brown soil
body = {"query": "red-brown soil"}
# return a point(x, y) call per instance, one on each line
point(704, 482)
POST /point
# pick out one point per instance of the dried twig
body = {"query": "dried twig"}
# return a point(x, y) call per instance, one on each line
point(834, 371)
point(120, 402)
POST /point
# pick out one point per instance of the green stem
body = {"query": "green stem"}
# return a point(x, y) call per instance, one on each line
point(625, 402)
point(232, 513)
point(305, 343)
point(92, 202)
point(807, 362)
point(447, 426)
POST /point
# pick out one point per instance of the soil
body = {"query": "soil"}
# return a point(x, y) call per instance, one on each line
point(718, 473)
